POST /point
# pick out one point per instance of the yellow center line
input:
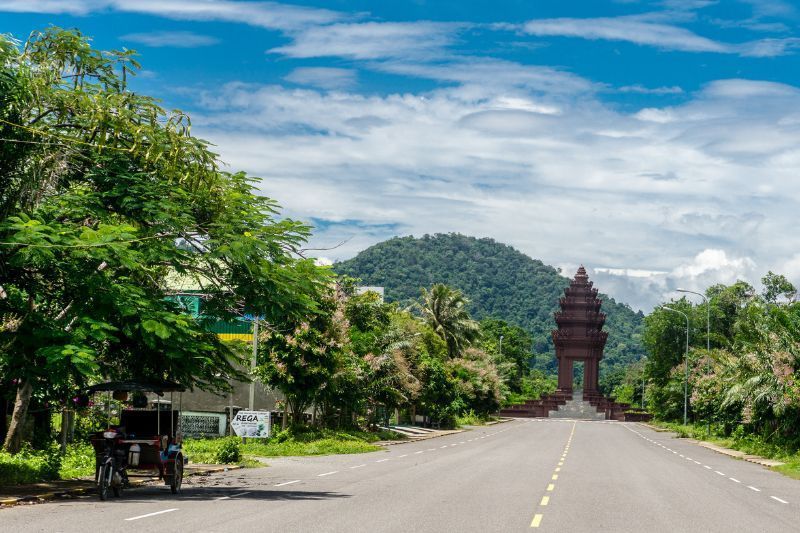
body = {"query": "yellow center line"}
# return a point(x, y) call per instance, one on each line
point(537, 518)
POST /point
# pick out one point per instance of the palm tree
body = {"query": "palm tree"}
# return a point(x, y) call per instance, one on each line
point(445, 310)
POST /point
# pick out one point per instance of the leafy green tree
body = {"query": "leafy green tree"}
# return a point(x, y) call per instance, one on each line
point(445, 311)
point(103, 196)
point(303, 359)
point(776, 285)
point(514, 362)
point(478, 384)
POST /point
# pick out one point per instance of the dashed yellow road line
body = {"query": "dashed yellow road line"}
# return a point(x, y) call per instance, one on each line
point(537, 518)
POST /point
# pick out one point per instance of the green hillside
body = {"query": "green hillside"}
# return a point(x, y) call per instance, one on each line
point(500, 282)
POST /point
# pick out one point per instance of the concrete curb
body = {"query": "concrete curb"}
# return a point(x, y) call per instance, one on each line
point(763, 461)
point(79, 491)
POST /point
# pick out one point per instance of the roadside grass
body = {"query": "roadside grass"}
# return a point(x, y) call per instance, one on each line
point(740, 441)
point(473, 419)
point(305, 440)
point(295, 441)
point(34, 466)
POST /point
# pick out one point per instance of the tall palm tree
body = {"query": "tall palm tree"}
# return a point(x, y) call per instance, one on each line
point(445, 310)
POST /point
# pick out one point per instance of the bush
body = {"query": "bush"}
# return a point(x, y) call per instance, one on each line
point(229, 451)
point(226, 450)
point(29, 466)
point(470, 418)
point(78, 461)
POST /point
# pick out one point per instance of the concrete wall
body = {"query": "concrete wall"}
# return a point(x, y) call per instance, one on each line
point(198, 400)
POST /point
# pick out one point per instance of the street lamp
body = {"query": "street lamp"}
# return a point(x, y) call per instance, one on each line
point(686, 365)
point(644, 378)
point(708, 315)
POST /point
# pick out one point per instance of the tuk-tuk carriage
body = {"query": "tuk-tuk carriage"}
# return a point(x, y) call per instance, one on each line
point(145, 438)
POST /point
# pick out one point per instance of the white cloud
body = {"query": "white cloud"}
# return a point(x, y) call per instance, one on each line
point(323, 77)
point(648, 90)
point(630, 29)
point(370, 40)
point(646, 30)
point(693, 199)
point(270, 15)
point(175, 39)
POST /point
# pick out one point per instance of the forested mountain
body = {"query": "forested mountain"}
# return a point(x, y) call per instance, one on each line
point(499, 281)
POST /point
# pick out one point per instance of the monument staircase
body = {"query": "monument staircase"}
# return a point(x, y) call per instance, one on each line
point(537, 408)
point(576, 405)
point(579, 409)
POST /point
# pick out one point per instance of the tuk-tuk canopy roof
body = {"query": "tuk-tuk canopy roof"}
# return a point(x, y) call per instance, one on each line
point(143, 386)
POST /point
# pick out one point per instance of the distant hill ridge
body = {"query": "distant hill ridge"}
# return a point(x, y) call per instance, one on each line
point(499, 281)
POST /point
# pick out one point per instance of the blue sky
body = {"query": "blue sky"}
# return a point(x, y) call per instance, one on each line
point(654, 141)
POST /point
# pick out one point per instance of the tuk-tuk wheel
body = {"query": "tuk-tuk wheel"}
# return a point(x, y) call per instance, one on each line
point(177, 475)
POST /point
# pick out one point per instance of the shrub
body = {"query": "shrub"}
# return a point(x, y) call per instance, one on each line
point(29, 466)
point(229, 451)
point(226, 450)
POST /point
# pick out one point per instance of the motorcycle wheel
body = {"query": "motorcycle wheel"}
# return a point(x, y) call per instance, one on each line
point(104, 481)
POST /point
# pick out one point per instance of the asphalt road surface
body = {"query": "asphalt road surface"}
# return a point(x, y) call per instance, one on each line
point(548, 475)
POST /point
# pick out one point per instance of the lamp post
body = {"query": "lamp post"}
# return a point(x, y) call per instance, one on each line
point(708, 315)
point(644, 377)
point(686, 366)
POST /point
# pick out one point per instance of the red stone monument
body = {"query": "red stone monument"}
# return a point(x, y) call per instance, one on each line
point(579, 336)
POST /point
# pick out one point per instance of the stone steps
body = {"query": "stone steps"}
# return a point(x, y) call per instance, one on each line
point(577, 409)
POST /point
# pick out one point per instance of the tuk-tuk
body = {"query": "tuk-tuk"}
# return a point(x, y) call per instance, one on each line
point(145, 438)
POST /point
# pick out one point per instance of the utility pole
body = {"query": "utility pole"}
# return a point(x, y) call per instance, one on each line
point(253, 365)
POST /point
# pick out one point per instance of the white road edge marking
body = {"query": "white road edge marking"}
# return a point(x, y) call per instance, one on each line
point(150, 514)
point(734, 480)
point(778, 499)
point(718, 472)
point(381, 460)
point(404, 455)
point(287, 483)
point(753, 488)
point(328, 473)
point(358, 466)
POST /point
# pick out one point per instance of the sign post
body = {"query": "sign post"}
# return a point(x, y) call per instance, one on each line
point(252, 424)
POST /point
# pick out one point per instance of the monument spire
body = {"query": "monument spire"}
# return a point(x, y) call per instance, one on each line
point(579, 336)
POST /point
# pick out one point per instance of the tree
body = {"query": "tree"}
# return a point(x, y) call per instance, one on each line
point(303, 359)
point(445, 311)
point(776, 285)
point(513, 363)
point(104, 196)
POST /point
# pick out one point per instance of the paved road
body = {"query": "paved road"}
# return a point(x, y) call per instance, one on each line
point(552, 475)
